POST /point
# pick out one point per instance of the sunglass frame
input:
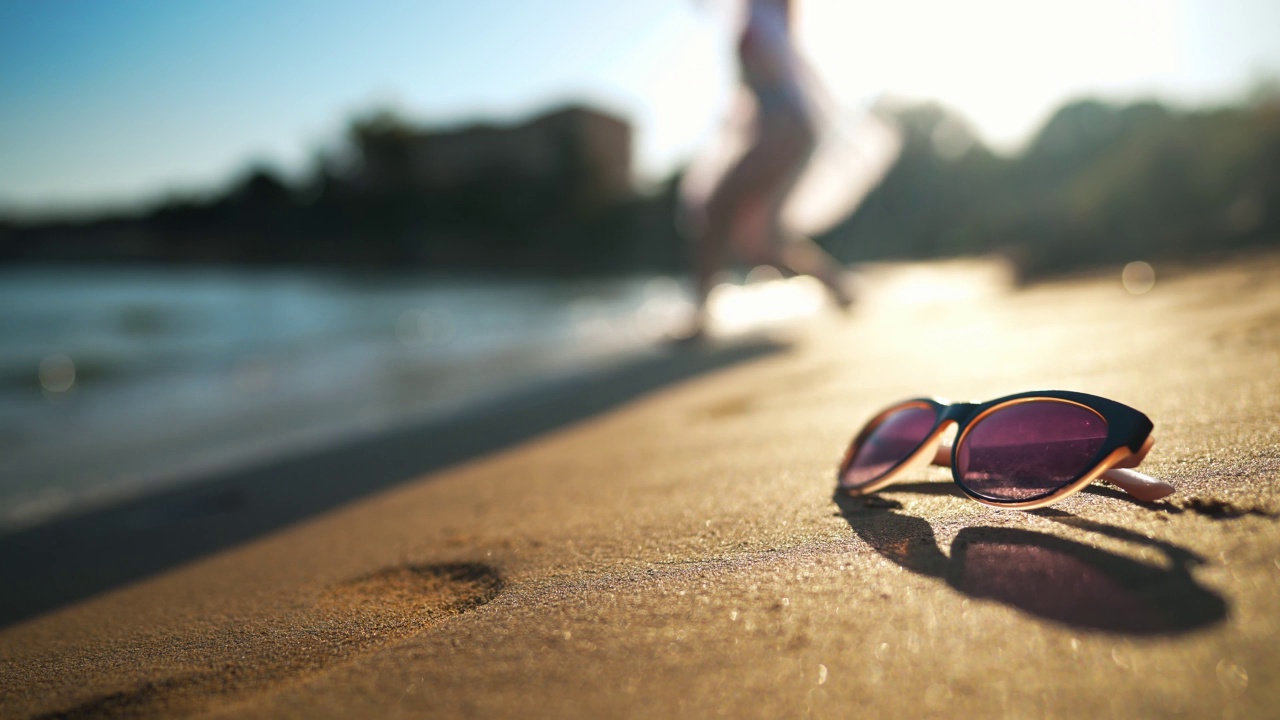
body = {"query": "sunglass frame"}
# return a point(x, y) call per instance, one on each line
point(1127, 433)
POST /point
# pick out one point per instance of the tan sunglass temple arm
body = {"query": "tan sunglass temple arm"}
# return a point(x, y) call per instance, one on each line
point(1141, 487)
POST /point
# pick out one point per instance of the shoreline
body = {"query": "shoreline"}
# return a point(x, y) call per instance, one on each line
point(159, 377)
point(73, 556)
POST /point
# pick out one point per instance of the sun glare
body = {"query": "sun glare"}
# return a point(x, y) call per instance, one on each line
point(764, 303)
point(1003, 64)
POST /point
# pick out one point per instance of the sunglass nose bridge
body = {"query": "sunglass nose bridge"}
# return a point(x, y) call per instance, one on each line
point(958, 412)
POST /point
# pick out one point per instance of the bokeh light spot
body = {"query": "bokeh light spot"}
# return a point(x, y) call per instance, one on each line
point(1233, 678)
point(1138, 277)
point(57, 373)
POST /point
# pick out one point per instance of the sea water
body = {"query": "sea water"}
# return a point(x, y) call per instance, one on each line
point(115, 383)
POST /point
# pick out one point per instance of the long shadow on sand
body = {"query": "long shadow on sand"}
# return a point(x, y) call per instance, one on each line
point(1044, 575)
point(76, 557)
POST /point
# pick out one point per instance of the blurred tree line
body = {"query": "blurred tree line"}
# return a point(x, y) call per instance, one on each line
point(1100, 183)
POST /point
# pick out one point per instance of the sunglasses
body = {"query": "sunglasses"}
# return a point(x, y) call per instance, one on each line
point(1020, 451)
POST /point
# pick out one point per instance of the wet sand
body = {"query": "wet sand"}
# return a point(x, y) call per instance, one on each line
point(673, 547)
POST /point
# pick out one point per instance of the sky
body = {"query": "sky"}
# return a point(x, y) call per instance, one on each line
point(119, 102)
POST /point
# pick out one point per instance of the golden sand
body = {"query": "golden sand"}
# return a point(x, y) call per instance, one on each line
point(681, 554)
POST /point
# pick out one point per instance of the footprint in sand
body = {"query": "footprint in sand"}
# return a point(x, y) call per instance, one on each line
point(240, 659)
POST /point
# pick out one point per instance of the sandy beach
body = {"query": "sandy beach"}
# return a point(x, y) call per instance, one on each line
point(661, 539)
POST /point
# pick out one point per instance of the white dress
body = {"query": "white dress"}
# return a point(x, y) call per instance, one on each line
point(850, 151)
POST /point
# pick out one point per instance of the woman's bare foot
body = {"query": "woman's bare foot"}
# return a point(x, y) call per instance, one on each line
point(693, 332)
point(841, 295)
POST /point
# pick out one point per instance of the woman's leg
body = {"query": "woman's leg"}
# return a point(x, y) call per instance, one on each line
point(804, 256)
point(792, 251)
point(744, 212)
point(734, 216)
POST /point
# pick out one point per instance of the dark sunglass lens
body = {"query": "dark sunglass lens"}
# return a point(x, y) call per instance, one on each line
point(888, 444)
point(1029, 450)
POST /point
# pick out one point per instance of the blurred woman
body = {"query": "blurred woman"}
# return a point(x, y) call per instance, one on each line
point(742, 212)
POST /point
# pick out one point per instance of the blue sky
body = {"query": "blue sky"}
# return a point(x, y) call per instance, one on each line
point(106, 102)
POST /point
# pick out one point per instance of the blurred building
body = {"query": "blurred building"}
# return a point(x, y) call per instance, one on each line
point(583, 153)
point(551, 193)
